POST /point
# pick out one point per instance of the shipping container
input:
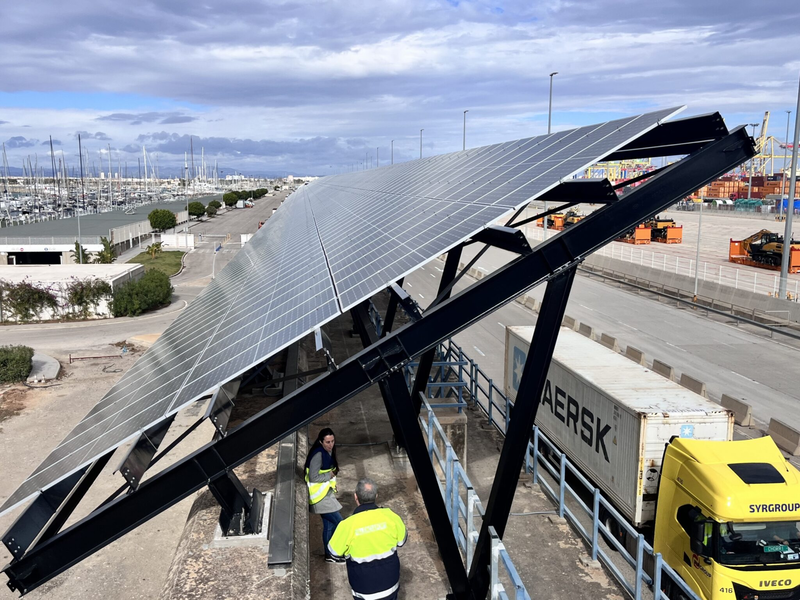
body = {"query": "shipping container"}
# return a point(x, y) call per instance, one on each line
point(613, 417)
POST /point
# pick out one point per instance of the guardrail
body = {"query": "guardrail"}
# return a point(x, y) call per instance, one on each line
point(599, 524)
point(464, 507)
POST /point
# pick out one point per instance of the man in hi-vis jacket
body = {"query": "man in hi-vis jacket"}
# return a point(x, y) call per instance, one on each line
point(369, 540)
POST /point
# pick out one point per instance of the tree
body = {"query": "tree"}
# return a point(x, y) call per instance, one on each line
point(79, 254)
point(211, 210)
point(277, 188)
point(196, 209)
point(162, 219)
point(153, 249)
point(106, 255)
point(216, 204)
point(153, 290)
point(230, 199)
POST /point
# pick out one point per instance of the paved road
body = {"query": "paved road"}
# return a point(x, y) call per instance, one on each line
point(730, 360)
point(72, 337)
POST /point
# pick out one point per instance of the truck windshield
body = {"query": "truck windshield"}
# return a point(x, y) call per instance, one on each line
point(751, 543)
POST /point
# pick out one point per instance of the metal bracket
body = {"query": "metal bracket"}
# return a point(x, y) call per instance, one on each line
point(504, 238)
point(141, 453)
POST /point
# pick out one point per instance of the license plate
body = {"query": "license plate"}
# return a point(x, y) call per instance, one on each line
point(777, 548)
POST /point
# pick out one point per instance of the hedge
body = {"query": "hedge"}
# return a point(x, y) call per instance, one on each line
point(15, 363)
point(153, 290)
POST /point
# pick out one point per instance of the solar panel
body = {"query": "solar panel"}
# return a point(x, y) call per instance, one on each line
point(332, 244)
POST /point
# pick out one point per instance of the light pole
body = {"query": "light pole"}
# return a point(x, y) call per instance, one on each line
point(697, 252)
point(464, 144)
point(550, 106)
point(377, 157)
point(750, 184)
point(787, 230)
point(392, 152)
point(785, 156)
point(420, 142)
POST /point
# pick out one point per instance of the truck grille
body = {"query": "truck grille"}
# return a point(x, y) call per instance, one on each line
point(745, 593)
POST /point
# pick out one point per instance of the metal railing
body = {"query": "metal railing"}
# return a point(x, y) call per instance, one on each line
point(464, 507)
point(596, 520)
point(447, 376)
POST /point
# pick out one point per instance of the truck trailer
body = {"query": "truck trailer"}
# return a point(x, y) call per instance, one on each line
point(723, 514)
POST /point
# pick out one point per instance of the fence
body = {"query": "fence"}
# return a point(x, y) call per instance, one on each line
point(740, 279)
point(464, 507)
point(599, 524)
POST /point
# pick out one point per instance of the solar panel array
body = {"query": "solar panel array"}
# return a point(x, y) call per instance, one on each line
point(332, 244)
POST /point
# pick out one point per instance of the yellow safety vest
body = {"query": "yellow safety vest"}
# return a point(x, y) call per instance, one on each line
point(317, 491)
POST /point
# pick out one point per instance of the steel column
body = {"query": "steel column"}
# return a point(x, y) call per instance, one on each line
point(392, 353)
point(391, 311)
point(426, 360)
point(403, 417)
point(518, 431)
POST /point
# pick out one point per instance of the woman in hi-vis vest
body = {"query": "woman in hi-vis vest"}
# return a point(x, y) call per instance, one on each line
point(321, 468)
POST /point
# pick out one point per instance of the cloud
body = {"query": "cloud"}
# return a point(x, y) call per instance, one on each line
point(55, 143)
point(85, 135)
point(20, 142)
point(148, 117)
point(3, 122)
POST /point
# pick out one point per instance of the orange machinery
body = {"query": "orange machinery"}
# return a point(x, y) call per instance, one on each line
point(638, 235)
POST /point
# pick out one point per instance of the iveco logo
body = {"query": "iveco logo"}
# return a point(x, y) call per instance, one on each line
point(775, 582)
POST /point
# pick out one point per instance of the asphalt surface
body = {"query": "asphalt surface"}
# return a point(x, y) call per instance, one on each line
point(729, 359)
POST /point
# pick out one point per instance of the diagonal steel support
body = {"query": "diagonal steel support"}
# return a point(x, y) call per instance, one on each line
point(391, 310)
point(423, 371)
point(403, 417)
point(390, 354)
point(523, 416)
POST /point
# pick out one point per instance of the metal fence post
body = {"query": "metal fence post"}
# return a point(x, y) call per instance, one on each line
point(508, 412)
point(639, 560)
point(495, 578)
point(470, 527)
point(595, 522)
point(448, 478)
point(535, 455)
point(561, 485)
point(657, 577)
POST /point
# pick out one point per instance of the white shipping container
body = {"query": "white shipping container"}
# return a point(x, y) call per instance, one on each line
point(613, 417)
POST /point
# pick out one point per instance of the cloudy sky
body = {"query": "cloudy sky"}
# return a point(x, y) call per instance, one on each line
point(312, 87)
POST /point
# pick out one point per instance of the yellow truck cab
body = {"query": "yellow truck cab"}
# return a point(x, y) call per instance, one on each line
point(727, 519)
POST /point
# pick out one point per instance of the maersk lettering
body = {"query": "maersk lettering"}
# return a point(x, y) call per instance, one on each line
point(593, 431)
point(770, 508)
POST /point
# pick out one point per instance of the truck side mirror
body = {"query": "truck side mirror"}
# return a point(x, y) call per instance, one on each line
point(698, 538)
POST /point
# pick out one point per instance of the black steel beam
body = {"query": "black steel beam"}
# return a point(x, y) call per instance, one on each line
point(141, 453)
point(391, 310)
point(221, 405)
point(50, 509)
point(674, 138)
point(392, 353)
point(597, 191)
point(504, 238)
point(409, 305)
point(518, 434)
point(403, 416)
point(423, 371)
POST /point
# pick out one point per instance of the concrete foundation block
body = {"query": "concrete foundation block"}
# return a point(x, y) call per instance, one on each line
point(663, 369)
point(520, 299)
point(473, 272)
point(454, 424)
point(635, 355)
point(742, 412)
point(531, 303)
point(556, 519)
point(690, 383)
point(787, 438)
point(584, 329)
point(609, 342)
point(569, 323)
point(478, 274)
point(587, 562)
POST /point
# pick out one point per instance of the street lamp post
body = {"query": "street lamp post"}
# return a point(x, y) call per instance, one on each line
point(464, 144)
point(697, 252)
point(377, 157)
point(392, 152)
point(750, 184)
point(550, 106)
point(785, 156)
point(420, 142)
point(787, 230)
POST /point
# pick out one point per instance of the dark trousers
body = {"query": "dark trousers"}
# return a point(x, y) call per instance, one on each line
point(329, 523)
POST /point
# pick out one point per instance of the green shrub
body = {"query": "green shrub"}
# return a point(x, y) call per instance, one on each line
point(216, 204)
point(15, 363)
point(153, 290)
point(84, 295)
point(162, 219)
point(26, 301)
point(196, 209)
point(211, 210)
point(230, 198)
